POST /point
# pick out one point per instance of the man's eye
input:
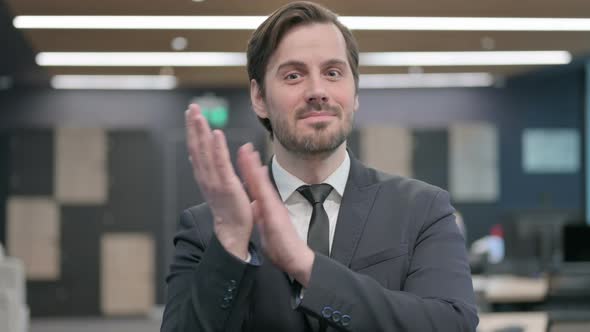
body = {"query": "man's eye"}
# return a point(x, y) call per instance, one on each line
point(292, 76)
point(334, 73)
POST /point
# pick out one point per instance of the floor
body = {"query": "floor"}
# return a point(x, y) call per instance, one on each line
point(571, 327)
point(153, 325)
point(94, 325)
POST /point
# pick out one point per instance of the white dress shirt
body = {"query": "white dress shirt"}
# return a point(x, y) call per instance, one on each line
point(299, 208)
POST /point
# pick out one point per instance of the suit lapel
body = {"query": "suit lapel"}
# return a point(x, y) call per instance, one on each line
point(357, 202)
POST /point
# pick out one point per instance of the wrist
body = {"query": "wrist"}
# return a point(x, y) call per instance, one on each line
point(237, 246)
point(304, 266)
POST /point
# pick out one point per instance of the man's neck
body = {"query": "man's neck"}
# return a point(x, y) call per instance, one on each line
point(310, 169)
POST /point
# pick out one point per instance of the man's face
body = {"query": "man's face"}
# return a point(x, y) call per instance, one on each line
point(310, 94)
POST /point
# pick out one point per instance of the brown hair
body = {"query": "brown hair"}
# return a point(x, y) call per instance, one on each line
point(269, 34)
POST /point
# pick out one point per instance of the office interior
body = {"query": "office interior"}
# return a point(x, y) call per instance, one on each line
point(93, 179)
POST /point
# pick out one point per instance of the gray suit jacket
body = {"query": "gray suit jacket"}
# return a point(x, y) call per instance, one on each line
point(398, 263)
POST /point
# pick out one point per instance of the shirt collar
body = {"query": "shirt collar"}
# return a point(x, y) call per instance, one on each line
point(288, 183)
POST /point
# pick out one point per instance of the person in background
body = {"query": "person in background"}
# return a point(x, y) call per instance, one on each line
point(490, 248)
point(314, 241)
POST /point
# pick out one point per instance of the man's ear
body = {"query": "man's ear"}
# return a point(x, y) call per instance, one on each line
point(356, 103)
point(257, 100)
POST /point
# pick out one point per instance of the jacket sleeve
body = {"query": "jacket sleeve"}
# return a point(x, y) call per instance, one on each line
point(437, 294)
point(207, 286)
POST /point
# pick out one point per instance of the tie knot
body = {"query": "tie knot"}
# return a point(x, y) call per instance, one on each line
point(315, 193)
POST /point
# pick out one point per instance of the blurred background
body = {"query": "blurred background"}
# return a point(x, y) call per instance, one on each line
point(488, 100)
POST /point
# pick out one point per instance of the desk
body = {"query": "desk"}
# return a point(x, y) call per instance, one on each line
point(529, 321)
point(511, 289)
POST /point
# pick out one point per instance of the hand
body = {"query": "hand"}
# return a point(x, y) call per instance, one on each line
point(219, 184)
point(280, 241)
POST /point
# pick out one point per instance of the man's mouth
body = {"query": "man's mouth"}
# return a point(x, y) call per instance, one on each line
point(314, 114)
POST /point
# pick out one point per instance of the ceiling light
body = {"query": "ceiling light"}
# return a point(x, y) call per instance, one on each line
point(353, 22)
point(179, 43)
point(113, 82)
point(141, 59)
point(485, 58)
point(488, 43)
point(431, 80)
point(224, 59)
point(139, 22)
point(466, 23)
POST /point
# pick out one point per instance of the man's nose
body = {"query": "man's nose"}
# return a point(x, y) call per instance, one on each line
point(316, 92)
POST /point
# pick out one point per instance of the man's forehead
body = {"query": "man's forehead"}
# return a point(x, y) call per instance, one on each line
point(300, 44)
point(287, 63)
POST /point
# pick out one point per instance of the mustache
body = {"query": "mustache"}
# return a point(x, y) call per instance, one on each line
point(317, 107)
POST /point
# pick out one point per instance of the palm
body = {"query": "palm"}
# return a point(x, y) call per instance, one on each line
point(217, 179)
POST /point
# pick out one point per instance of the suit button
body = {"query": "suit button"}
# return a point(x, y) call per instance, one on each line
point(224, 305)
point(345, 320)
point(232, 282)
point(327, 312)
point(336, 315)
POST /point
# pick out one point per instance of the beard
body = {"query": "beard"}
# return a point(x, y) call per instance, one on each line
point(321, 140)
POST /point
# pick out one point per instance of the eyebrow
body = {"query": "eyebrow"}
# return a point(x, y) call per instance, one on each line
point(296, 63)
point(334, 62)
point(291, 63)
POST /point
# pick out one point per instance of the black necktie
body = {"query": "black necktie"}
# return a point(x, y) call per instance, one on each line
point(318, 235)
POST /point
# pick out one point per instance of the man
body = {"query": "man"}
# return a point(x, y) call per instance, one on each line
point(356, 251)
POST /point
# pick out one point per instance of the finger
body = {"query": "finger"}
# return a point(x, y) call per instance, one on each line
point(222, 161)
point(205, 147)
point(246, 166)
point(258, 181)
point(190, 119)
point(255, 175)
point(192, 141)
point(266, 192)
